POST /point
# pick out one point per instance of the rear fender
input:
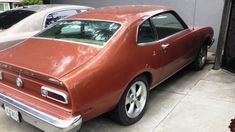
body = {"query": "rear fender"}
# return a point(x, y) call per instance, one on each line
point(208, 38)
point(203, 35)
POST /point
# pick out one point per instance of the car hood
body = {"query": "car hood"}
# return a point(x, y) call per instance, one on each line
point(48, 57)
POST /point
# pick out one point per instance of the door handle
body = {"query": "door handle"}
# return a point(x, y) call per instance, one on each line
point(164, 46)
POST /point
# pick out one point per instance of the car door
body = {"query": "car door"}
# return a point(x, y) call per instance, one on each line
point(149, 49)
point(175, 40)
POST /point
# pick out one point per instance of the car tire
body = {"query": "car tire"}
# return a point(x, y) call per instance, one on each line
point(132, 105)
point(200, 61)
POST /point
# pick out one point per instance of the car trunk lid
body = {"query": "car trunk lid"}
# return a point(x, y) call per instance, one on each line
point(48, 57)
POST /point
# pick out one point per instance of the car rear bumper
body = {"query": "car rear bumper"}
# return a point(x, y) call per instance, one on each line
point(40, 119)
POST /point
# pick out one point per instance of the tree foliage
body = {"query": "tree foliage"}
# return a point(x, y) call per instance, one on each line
point(31, 2)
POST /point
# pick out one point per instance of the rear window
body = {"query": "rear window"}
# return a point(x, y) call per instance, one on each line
point(9, 18)
point(85, 31)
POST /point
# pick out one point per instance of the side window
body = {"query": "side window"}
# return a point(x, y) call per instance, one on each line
point(145, 33)
point(54, 17)
point(166, 25)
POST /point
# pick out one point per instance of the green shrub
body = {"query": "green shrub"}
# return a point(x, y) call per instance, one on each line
point(31, 2)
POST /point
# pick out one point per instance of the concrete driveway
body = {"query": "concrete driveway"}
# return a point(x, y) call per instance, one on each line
point(189, 101)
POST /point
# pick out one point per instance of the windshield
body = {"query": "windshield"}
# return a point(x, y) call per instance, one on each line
point(85, 31)
point(9, 18)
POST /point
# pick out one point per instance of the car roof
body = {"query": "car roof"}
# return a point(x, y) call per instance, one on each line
point(39, 8)
point(122, 14)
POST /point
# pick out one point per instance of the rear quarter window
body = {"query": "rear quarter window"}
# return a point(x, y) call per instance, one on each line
point(145, 33)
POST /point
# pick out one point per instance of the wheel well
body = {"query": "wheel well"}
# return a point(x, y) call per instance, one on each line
point(148, 76)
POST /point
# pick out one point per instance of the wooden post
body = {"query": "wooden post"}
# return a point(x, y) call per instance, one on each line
point(223, 33)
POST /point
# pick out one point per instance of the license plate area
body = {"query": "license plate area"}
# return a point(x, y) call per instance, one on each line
point(11, 112)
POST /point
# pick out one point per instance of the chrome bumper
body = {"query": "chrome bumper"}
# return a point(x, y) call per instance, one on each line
point(41, 120)
point(211, 42)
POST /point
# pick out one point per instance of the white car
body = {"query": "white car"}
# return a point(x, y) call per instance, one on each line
point(19, 24)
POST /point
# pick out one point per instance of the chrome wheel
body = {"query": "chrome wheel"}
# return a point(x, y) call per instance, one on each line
point(200, 60)
point(203, 56)
point(136, 99)
point(133, 102)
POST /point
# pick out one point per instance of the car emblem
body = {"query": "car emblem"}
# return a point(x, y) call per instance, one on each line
point(19, 82)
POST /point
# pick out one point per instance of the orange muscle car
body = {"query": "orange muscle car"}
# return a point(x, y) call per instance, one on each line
point(103, 60)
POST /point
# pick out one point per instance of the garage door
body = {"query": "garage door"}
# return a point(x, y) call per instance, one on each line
point(229, 53)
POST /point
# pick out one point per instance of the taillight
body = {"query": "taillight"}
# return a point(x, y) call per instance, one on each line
point(54, 95)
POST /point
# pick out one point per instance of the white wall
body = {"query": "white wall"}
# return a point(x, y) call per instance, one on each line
point(208, 12)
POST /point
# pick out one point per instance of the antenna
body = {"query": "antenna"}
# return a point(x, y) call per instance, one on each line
point(194, 13)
